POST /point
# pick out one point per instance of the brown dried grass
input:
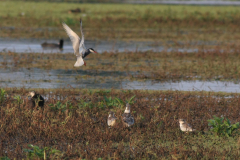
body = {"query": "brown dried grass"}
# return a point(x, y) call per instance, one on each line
point(82, 132)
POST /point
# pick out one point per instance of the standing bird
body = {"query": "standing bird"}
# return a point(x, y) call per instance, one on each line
point(127, 118)
point(36, 98)
point(78, 43)
point(111, 119)
point(53, 45)
point(185, 127)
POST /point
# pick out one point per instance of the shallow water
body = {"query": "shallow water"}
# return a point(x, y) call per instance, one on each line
point(216, 86)
point(34, 45)
point(38, 78)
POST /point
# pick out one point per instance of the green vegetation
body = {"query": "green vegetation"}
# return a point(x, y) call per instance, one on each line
point(4, 158)
point(2, 95)
point(110, 102)
point(41, 9)
point(121, 21)
point(18, 99)
point(222, 128)
point(60, 107)
point(82, 132)
point(36, 153)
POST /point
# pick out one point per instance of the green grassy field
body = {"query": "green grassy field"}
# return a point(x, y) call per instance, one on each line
point(60, 10)
point(121, 21)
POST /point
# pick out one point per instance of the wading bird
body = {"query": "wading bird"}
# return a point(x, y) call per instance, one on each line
point(185, 127)
point(78, 43)
point(36, 98)
point(127, 118)
point(111, 119)
point(46, 45)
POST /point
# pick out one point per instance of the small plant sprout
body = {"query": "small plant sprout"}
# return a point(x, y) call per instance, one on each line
point(36, 153)
point(130, 101)
point(59, 106)
point(119, 102)
point(109, 101)
point(2, 95)
point(19, 100)
point(4, 158)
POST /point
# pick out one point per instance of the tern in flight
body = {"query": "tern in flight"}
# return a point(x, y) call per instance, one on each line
point(78, 43)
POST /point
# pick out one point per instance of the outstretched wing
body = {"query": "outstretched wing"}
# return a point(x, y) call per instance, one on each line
point(82, 39)
point(74, 38)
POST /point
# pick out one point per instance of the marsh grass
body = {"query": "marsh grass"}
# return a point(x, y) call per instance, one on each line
point(215, 64)
point(82, 132)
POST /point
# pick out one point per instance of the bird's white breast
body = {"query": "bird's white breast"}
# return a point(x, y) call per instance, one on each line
point(185, 127)
point(79, 62)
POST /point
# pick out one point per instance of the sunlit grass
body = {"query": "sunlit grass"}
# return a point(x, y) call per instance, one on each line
point(94, 10)
point(121, 21)
point(74, 123)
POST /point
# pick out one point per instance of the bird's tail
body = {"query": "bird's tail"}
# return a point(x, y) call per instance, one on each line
point(79, 62)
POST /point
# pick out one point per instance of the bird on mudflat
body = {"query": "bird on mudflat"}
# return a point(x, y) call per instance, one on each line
point(185, 127)
point(127, 118)
point(46, 45)
point(36, 98)
point(78, 43)
point(77, 10)
point(111, 121)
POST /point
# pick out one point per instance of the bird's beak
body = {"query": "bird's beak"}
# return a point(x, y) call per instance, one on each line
point(85, 63)
point(95, 52)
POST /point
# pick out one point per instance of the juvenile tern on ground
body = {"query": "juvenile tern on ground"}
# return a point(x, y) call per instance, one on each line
point(185, 127)
point(78, 43)
point(36, 98)
point(111, 121)
point(127, 118)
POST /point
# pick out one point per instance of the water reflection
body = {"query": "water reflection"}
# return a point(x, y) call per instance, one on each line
point(38, 78)
point(216, 86)
point(34, 45)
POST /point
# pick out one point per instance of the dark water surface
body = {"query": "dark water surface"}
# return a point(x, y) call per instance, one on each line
point(34, 45)
point(38, 78)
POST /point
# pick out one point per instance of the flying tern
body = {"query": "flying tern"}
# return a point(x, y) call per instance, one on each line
point(78, 43)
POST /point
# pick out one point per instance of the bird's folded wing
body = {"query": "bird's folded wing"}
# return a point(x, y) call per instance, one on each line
point(74, 38)
point(127, 118)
